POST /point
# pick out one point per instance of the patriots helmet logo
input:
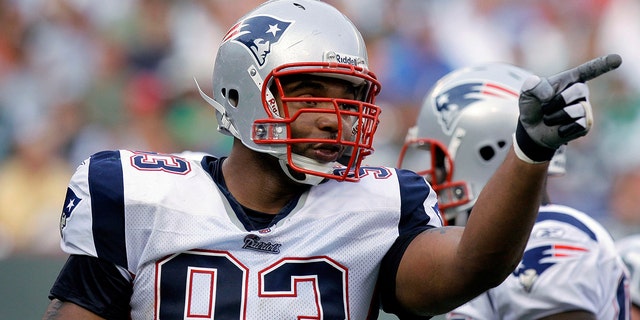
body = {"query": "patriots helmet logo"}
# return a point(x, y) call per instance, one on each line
point(450, 103)
point(258, 34)
point(538, 259)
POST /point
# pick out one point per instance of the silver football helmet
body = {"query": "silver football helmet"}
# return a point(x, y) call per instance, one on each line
point(463, 133)
point(284, 38)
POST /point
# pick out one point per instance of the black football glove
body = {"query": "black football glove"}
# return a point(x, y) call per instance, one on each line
point(556, 110)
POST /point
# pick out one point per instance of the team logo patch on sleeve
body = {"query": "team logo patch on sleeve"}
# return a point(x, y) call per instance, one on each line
point(258, 34)
point(70, 203)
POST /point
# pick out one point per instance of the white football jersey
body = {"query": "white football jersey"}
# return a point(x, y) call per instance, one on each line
point(570, 263)
point(191, 252)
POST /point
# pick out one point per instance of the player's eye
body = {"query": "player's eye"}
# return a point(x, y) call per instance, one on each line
point(348, 107)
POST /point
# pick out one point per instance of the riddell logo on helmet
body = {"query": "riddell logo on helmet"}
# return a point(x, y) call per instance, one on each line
point(348, 59)
point(332, 56)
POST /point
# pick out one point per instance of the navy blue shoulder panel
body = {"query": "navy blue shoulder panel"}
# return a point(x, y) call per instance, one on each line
point(558, 216)
point(107, 205)
point(413, 192)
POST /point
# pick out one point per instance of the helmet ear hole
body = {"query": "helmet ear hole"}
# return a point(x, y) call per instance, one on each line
point(232, 98)
point(487, 153)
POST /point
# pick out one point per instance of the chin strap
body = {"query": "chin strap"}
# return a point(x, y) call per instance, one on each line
point(306, 163)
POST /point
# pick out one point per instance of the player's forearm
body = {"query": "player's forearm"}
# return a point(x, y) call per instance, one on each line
point(501, 221)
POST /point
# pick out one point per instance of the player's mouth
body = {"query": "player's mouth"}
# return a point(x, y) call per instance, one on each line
point(324, 152)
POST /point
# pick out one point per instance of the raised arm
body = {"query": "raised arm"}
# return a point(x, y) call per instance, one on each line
point(443, 268)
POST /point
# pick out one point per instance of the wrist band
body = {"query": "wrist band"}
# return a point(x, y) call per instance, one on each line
point(534, 153)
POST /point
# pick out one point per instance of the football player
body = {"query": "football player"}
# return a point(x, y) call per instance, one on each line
point(279, 229)
point(570, 269)
point(629, 249)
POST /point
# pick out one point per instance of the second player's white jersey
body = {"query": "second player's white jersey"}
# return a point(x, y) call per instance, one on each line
point(191, 255)
point(570, 263)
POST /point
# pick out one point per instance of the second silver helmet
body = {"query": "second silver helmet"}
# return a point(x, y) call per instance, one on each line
point(465, 127)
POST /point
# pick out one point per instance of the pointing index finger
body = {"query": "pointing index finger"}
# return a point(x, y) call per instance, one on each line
point(586, 71)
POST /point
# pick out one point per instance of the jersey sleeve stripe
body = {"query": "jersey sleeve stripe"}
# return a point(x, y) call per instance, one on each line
point(413, 193)
point(107, 202)
point(622, 297)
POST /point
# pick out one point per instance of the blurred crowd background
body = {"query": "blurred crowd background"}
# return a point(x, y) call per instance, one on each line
point(79, 76)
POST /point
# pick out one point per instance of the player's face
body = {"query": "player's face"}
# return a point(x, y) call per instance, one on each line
point(311, 124)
